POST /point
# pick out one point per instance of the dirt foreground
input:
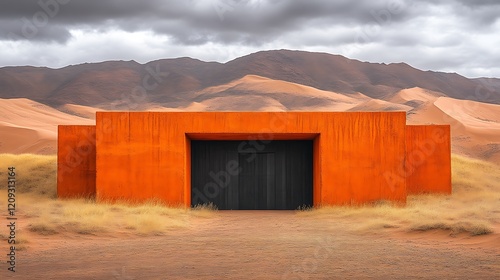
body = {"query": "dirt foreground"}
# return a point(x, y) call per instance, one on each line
point(260, 245)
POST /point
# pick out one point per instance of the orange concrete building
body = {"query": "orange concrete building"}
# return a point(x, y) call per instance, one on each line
point(428, 157)
point(253, 160)
point(76, 159)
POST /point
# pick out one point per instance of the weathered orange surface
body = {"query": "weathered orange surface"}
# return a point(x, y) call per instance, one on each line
point(76, 161)
point(428, 159)
point(144, 155)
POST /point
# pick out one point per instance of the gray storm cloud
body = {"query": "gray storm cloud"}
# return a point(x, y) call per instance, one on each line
point(451, 30)
point(187, 19)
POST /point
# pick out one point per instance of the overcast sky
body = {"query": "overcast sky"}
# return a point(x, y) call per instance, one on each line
point(460, 36)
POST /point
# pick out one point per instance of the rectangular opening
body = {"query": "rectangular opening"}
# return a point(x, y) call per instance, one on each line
point(252, 175)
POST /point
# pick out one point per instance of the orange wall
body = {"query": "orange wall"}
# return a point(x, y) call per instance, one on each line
point(76, 161)
point(358, 149)
point(428, 159)
point(145, 155)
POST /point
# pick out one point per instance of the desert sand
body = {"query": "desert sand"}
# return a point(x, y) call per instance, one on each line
point(262, 245)
point(265, 244)
point(30, 127)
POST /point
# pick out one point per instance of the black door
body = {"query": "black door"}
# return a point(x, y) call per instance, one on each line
point(251, 175)
point(257, 182)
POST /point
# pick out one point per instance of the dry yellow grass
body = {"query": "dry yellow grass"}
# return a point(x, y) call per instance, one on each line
point(473, 207)
point(48, 216)
point(35, 174)
point(36, 201)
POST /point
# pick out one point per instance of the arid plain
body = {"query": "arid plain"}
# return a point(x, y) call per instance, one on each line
point(449, 237)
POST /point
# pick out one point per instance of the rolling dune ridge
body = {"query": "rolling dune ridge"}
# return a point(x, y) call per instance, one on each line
point(27, 126)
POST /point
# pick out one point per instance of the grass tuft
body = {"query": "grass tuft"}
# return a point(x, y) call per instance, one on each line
point(205, 207)
point(471, 228)
point(471, 209)
point(36, 192)
point(34, 173)
point(304, 207)
point(42, 228)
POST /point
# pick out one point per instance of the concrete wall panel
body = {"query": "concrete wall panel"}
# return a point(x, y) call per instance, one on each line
point(359, 150)
point(143, 155)
point(76, 161)
point(113, 157)
point(428, 159)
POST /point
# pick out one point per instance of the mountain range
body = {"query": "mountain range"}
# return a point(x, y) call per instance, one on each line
point(34, 100)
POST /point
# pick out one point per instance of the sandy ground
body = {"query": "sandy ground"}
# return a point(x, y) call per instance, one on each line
point(261, 245)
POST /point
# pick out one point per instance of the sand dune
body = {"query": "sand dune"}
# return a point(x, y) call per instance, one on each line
point(94, 84)
point(415, 95)
point(264, 81)
point(16, 139)
point(260, 84)
point(244, 103)
point(475, 126)
point(86, 112)
point(30, 127)
point(335, 84)
point(380, 105)
point(253, 92)
point(472, 114)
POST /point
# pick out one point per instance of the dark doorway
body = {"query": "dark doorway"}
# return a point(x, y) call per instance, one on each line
point(250, 175)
